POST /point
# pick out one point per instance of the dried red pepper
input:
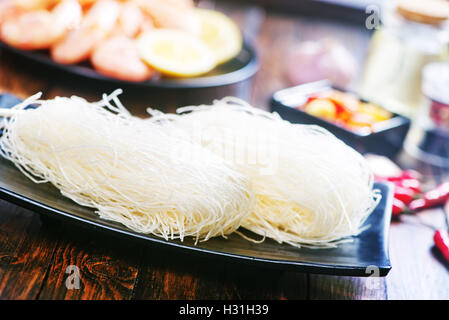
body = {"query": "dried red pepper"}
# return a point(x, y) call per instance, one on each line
point(405, 175)
point(404, 194)
point(398, 207)
point(441, 240)
point(435, 197)
point(411, 174)
point(408, 183)
point(405, 189)
point(413, 184)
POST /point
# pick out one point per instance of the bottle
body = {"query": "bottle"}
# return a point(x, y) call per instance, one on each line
point(428, 139)
point(412, 34)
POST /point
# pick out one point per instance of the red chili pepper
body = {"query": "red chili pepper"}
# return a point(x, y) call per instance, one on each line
point(408, 183)
point(398, 207)
point(432, 198)
point(411, 174)
point(339, 107)
point(395, 179)
point(311, 98)
point(404, 194)
point(379, 179)
point(413, 184)
point(441, 240)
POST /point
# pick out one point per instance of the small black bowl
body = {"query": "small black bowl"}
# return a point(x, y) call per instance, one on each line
point(387, 140)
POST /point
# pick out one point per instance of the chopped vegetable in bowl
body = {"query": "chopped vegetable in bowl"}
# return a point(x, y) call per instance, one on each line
point(345, 110)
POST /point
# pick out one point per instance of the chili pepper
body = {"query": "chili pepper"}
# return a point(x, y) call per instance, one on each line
point(394, 179)
point(400, 181)
point(435, 197)
point(339, 107)
point(441, 236)
point(441, 240)
point(404, 194)
point(411, 174)
point(311, 98)
point(398, 207)
point(406, 174)
point(413, 184)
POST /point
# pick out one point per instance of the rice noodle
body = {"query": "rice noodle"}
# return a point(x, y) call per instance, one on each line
point(203, 173)
point(311, 188)
point(130, 171)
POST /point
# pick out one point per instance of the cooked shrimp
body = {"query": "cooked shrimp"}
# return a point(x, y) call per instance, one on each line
point(67, 16)
point(9, 9)
point(130, 19)
point(95, 27)
point(39, 29)
point(35, 4)
point(86, 3)
point(167, 14)
point(117, 57)
point(147, 24)
point(29, 31)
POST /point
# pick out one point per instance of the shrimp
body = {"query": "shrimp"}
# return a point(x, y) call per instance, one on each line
point(117, 57)
point(86, 3)
point(67, 16)
point(35, 4)
point(171, 14)
point(130, 19)
point(96, 26)
point(41, 28)
point(9, 9)
point(147, 24)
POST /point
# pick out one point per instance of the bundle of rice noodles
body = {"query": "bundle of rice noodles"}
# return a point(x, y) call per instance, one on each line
point(100, 156)
point(311, 189)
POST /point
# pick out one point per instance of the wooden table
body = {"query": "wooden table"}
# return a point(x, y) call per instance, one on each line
point(35, 252)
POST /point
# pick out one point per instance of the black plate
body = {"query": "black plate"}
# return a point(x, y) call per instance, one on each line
point(240, 68)
point(370, 248)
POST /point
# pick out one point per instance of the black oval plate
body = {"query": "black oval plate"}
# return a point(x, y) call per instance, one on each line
point(238, 69)
point(369, 250)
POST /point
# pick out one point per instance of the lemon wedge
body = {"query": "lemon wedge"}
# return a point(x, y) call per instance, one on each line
point(175, 53)
point(220, 33)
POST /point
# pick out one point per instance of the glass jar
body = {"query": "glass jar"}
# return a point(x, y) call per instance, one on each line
point(398, 51)
point(428, 139)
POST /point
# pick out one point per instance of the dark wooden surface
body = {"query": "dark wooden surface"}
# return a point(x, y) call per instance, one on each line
point(36, 252)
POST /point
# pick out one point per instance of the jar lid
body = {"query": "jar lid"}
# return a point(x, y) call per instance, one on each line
point(429, 11)
point(435, 81)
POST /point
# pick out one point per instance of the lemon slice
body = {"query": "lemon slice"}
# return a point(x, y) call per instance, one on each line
point(220, 33)
point(175, 53)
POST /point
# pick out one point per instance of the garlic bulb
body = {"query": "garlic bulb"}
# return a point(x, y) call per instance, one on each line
point(317, 60)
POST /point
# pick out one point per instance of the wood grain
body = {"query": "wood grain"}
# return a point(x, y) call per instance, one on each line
point(168, 274)
point(26, 250)
point(263, 283)
point(347, 288)
point(107, 267)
